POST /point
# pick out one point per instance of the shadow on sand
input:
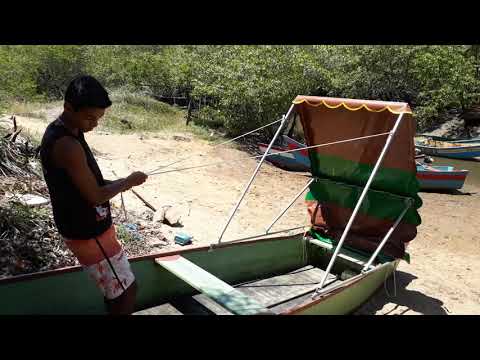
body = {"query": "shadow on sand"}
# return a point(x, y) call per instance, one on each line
point(447, 192)
point(405, 299)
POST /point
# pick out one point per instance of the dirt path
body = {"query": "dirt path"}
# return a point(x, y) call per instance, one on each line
point(443, 278)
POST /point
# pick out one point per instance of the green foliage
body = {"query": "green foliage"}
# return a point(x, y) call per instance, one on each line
point(17, 74)
point(252, 85)
point(135, 68)
point(57, 65)
point(447, 79)
point(210, 117)
point(132, 112)
point(430, 78)
point(239, 88)
point(125, 235)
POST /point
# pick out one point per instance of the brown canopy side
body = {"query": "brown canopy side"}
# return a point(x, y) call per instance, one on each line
point(330, 204)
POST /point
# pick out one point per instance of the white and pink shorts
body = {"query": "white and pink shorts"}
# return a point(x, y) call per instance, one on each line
point(105, 262)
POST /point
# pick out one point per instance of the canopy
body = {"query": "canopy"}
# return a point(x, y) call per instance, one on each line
point(342, 170)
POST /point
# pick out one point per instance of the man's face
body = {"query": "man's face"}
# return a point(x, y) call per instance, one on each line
point(85, 119)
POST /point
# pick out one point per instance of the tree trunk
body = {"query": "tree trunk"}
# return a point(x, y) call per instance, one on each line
point(189, 113)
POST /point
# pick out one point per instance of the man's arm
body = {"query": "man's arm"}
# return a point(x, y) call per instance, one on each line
point(109, 182)
point(69, 154)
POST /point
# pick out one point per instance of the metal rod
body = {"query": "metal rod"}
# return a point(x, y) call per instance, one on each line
point(255, 173)
point(147, 204)
point(387, 236)
point(274, 153)
point(289, 205)
point(360, 201)
point(257, 236)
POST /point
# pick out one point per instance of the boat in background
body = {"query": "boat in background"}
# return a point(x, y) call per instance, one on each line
point(459, 149)
point(429, 177)
point(294, 161)
point(459, 141)
point(440, 177)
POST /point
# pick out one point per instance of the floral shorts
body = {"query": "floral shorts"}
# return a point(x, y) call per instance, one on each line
point(105, 262)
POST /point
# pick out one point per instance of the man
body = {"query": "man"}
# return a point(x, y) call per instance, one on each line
point(80, 195)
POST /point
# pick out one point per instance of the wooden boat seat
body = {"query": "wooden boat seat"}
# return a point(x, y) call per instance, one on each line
point(272, 292)
point(275, 290)
point(163, 309)
point(216, 289)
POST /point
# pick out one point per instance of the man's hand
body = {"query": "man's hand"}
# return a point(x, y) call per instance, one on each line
point(136, 178)
point(69, 155)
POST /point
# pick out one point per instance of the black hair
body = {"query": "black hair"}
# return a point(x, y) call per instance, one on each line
point(85, 91)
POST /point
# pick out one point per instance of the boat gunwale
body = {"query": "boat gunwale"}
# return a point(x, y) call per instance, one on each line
point(187, 249)
point(284, 148)
point(339, 287)
point(454, 174)
point(263, 145)
point(477, 147)
point(454, 171)
point(441, 176)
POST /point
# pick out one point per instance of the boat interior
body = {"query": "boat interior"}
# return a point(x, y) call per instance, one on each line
point(249, 286)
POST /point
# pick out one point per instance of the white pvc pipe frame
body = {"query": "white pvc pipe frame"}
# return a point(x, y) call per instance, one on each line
point(255, 173)
point(387, 236)
point(288, 206)
point(352, 217)
point(360, 201)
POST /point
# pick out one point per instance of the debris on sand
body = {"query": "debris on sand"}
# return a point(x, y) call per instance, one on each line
point(29, 240)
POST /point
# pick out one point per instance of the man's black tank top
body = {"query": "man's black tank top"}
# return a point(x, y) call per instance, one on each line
point(74, 216)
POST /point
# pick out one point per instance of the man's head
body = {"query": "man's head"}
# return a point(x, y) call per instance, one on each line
point(85, 102)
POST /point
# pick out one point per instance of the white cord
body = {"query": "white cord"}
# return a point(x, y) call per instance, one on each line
point(214, 146)
point(271, 154)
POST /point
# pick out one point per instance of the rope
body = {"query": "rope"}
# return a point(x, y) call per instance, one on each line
point(214, 146)
point(271, 154)
point(109, 263)
point(123, 208)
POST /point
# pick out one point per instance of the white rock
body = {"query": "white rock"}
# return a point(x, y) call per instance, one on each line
point(32, 200)
point(159, 216)
point(173, 216)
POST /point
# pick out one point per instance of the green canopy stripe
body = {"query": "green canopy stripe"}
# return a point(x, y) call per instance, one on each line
point(346, 196)
point(395, 181)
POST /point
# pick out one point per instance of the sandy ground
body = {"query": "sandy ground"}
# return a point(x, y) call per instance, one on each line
point(444, 274)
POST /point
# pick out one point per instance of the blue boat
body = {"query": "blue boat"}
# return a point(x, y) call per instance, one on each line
point(429, 177)
point(458, 141)
point(460, 149)
point(440, 177)
point(294, 161)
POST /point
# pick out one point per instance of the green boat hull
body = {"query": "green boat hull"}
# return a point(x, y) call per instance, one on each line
point(350, 296)
point(70, 291)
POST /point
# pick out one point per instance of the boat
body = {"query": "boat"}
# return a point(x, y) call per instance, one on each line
point(460, 149)
point(429, 177)
point(294, 161)
point(459, 141)
point(352, 245)
point(440, 177)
